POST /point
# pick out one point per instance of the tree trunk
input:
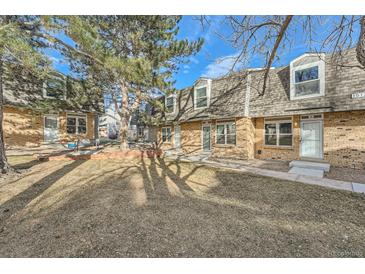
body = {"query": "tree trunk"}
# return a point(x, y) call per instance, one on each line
point(360, 49)
point(123, 132)
point(124, 119)
point(4, 165)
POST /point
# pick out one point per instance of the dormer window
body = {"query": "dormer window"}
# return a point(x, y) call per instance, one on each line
point(170, 104)
point(308, 79)
point(202, 96)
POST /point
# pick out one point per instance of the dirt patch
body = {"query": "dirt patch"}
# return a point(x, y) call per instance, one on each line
point(347, 174)
point(159, 208)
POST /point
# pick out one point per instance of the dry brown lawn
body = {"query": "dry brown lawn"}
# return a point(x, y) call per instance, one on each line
point(157, 208)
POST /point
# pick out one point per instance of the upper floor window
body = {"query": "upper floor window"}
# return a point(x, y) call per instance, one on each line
point(202, 95)
point(307, 80)
point(54, 88)
point(170, 104)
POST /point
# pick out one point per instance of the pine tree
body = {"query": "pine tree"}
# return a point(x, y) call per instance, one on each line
point(127, 56)
point(20, 48)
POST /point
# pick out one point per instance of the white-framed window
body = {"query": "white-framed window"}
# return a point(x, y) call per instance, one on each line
point(170, 102)
point(76, 124)
point(54, 88)
point(166, 134)
point(226, 133)
point(307, 80)
point(278, 133)
point(202, 95)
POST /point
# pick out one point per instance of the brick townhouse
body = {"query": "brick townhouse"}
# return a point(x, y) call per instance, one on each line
point(311, 110)
point(25, 127)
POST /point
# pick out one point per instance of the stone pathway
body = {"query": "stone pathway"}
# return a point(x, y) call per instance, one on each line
point(336, 184)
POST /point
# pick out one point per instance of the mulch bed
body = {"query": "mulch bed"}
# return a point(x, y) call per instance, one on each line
point(106, 155)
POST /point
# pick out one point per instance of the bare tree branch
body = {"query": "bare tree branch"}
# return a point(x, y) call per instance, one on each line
point(283, 29)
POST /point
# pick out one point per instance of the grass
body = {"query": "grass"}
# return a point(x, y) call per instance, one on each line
point(158, 208)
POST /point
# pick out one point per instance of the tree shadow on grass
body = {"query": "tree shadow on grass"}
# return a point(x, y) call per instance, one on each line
point(19, 201)
point(159, 181)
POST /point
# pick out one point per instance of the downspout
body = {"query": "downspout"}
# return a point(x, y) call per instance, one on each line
point(248, 95)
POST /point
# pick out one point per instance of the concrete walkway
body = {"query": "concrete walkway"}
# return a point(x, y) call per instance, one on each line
point(336, 184)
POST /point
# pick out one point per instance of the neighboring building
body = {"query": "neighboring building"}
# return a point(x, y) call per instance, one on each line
point(24, 127)
point(311, 110)
point(138, 131)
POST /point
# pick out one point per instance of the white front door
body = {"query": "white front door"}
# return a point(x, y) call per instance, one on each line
point(177, 137)
point(311, 139)
point(50, 128)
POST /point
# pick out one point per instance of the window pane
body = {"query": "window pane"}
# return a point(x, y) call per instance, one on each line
point(50, 123)
point(231, 128)
point(71, 121)
point(231, 139)
point(169, 109)
point(170, 104)
point(220, 139)
point(285, 140)
point(54, 88)
point(81, 129)
point(82, 121)
point(169, 134)
point(270, 140)
point(166, 134)
point(201, 92)
point(169, 101)
point(307, 88)
point(71, 129)
point(306, 74)
point(220, 129)
point(270, 128)
point(201, 102)
point(285, 128)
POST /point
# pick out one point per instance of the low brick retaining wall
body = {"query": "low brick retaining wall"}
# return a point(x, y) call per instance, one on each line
point(107, 155)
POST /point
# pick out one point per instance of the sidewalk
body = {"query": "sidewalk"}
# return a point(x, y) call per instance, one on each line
point(336, 184)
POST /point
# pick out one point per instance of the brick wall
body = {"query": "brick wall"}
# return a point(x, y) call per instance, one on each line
point(344, 139)
point(22, 127)
point(276, 153)
point(242, 149)
point(191, 139)
point(191, 134)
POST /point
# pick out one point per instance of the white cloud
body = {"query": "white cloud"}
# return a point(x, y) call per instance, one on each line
point(186, 66)
point(194, 60)
point(221, 66)
point(55, 59)
point(186, 71)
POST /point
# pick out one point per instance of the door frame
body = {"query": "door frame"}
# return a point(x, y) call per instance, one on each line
point(210, 135)
point(321, 142)
point(44, 127)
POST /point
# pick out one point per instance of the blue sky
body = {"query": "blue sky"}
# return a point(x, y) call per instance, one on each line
point(217, 55)
point(214, 58)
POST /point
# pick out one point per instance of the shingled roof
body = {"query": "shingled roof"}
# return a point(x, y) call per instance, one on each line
point(340, 83)
point(238, 94)
point(227, 100)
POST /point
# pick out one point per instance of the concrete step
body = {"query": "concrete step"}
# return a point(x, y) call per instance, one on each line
point(310, 165)
point(307, 171)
